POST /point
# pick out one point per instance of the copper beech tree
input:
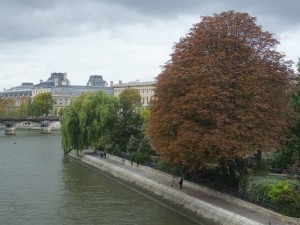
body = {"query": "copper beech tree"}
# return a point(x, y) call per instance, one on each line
point(223, 95)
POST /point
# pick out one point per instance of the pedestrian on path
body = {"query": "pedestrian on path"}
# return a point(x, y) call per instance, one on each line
point(180, 182)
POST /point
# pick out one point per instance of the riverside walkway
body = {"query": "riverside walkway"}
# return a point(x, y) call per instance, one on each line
point(244, 209)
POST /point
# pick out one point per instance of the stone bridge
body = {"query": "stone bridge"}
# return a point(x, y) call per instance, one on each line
point(39, 121)
point(31, 123)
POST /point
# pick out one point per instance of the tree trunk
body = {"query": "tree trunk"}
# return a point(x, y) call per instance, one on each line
point(258, 159)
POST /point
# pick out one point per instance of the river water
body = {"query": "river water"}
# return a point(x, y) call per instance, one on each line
point(38, 185)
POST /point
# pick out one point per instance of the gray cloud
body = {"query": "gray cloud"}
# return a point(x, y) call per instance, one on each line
point(33, 19)
point(36, 20)
point(121, 39)
point(282, 12)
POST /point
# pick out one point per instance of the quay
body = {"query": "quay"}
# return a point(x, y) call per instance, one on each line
point(201, 204)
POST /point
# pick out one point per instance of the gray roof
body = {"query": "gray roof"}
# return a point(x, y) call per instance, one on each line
point(15, 93)
point(78, 90)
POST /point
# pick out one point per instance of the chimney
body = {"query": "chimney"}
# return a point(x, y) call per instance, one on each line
point(41, 81)
point(120, 81)
point(111, 83)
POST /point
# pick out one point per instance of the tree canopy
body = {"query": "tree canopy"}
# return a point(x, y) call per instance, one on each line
point(6, 107)
point(223, 95)
point(289, 153)
point(104, 121)
point(88, 121)
point(130, 99)
point(41, 104)
point(129, 125)
point(9, 108)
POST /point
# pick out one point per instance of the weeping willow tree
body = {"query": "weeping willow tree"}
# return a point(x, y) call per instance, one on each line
point(89, 121)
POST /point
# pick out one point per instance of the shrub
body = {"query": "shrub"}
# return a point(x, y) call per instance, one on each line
point(139, 157)
point(291, 203)
point(255, 187)
point(278, 191)
point(275, 191)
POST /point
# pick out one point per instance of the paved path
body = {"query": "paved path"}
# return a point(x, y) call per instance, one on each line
point(256, 216)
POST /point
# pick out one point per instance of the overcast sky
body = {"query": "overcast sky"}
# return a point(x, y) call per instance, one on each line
point(124, 40)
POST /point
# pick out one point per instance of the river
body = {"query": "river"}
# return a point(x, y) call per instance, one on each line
point(38, 185)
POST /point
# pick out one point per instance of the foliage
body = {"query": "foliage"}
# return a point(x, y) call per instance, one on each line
point(162, 165)
point(41, 105)
point(133, 144)
point(140, 149)
point(22, 110)
point(89, 121)
point(277, 189)
point(145, 147)
point(223, 95)
point(289, 153)
point(139, 157)
point(61, 112)
point(145, 114)
point(100, 120)
point(291, 203)
point(129, 122)
point(282, 192)
point(8, 107)
point(298, 67)
point(262, 168)
point(281, 159)
point(130, 99)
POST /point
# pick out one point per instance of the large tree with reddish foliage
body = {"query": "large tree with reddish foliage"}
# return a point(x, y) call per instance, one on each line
point(223, 95)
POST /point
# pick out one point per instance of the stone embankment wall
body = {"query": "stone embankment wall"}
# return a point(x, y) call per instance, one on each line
point(203, 212)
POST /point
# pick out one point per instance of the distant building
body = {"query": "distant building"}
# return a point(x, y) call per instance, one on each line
point(24, 90)
point(60, 87)
point(64, 93)
point(146, 89)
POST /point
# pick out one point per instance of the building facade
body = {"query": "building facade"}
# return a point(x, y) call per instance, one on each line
point(146, 90)
point(64, 93)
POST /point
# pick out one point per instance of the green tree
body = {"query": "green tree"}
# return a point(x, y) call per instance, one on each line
point(10, 108)
point(31, 109)
point(41, 105)
point(89, 121)
point(145, 114)
point(129, 125)
point(289, 153)
point(130, 100)
point(22, 110)
point(223, 95)
point(7, 107)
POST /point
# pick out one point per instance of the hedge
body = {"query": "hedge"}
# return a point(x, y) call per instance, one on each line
point(283, 193)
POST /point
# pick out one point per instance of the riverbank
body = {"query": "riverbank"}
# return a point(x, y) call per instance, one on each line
point(202, 204)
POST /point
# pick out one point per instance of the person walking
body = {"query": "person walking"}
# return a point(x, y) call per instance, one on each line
point(180, 182)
